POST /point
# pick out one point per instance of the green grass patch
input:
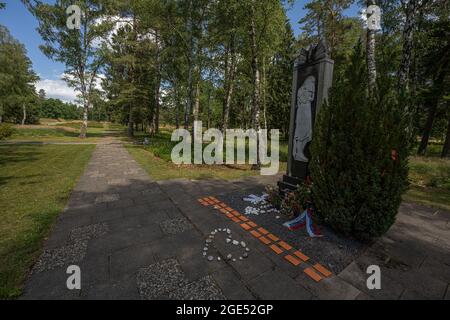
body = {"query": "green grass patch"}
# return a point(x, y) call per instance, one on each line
point(67, 132)
point(161, 145)
point(77, 124)
point(430, 182)
point(160, 169)
point(156, 159)
point(35, 184)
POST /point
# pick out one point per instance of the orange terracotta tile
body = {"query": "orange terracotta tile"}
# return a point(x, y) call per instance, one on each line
point(243, 218)
point(229, 209)
point(223, 205)
point(263, 231)
point(245, 226)
point(284, 245)
point(292, 260)
point(301, 256)
point(252, 224)
point(312, 274)
point(235, 220)
point(224, 211)
point(265, 240)
point(276, 249)
point(255, 234)
point(322, 270)
point(237, 214)
point(272, 237)
point(229, 215)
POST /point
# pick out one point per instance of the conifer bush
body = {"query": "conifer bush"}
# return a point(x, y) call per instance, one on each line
point(359, 164)
point(6, 131)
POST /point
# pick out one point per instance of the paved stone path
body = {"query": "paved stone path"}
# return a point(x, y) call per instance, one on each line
point(134, 238)
point(414, 257)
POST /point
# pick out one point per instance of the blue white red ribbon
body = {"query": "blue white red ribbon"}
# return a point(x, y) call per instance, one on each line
point(304, 220)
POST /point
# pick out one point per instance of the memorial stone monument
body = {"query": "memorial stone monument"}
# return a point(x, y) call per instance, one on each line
point(313, 75)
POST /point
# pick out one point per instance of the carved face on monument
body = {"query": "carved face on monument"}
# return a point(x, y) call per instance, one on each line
point(307, 91)
point(303, 120)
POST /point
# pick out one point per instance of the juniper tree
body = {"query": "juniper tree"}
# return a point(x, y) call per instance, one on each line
point(359, 154)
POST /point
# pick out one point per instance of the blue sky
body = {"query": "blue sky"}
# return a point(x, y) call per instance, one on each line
point(22, 26)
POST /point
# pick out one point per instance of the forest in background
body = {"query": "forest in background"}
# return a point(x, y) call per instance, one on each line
point(227, 63)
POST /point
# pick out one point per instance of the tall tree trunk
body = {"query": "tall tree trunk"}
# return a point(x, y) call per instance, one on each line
point(208, 122)
point(177, 106)
point(256, 110)
point(264, 96)
point(130, 123)
point(230, 72)
point(24, 118)
point(158, 84)
point(427, 130)
point(411, 10)
point(84, 124)
point(371, 58)
point(446, 149)
point(438, 89)
point(187, 109)
point(197, 102)
point(157, 107)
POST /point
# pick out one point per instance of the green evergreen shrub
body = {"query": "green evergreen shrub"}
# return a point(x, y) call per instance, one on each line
point(6, 130)
point(359, 154)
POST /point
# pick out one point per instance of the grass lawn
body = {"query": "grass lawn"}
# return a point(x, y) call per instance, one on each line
point(430, 182)
point(63, 132)
point(35, 183)
point(160, 169)
point(156, 160)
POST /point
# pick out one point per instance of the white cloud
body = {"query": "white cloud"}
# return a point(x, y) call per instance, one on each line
point(57, 89)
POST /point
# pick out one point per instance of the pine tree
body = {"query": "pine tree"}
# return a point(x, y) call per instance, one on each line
point(360, 151)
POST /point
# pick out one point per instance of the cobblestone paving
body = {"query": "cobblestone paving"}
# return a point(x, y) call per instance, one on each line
point(134, 238)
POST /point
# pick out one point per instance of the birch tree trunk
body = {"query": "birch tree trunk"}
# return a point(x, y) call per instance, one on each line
point(84, 124)
point(411, 8)
point(256, 110)
point(230, 72)
point(371, 58)
point(24, 118)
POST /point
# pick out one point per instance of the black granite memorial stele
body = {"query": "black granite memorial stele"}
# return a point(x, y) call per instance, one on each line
point(313, 76)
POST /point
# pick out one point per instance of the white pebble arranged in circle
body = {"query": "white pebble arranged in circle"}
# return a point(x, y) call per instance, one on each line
point(229, 240)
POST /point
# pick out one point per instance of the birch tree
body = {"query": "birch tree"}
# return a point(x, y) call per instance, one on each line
point(78, 47)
